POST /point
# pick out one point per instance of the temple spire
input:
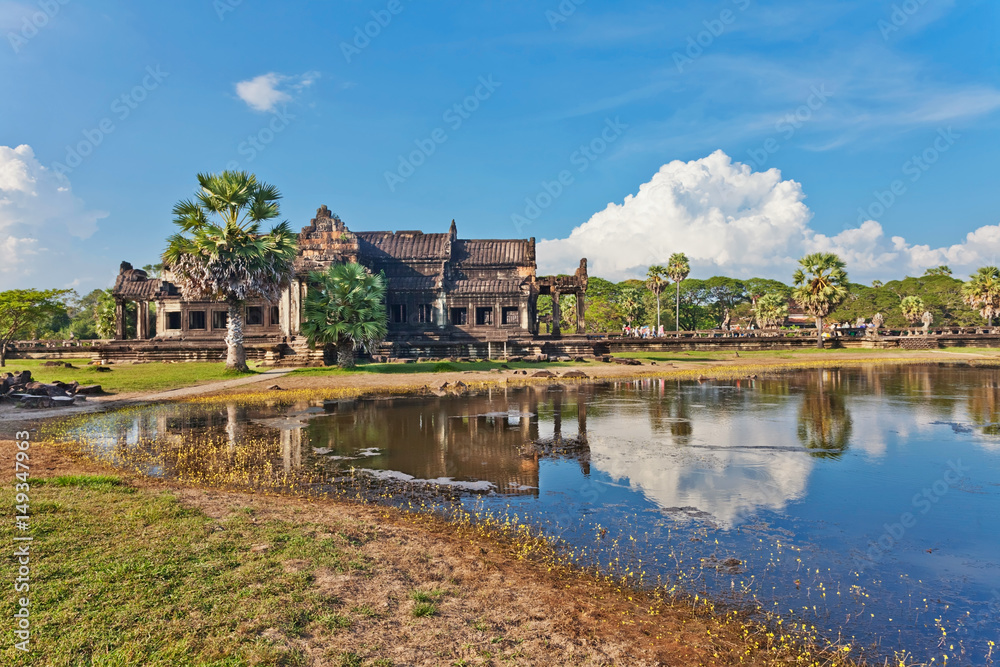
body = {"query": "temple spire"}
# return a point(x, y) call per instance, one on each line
point(453, 231)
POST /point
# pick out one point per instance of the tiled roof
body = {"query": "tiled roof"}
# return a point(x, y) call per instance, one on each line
point(414, 283)
point(136, 286)
point(486, 287)
point(493, 252)
point(381, 246)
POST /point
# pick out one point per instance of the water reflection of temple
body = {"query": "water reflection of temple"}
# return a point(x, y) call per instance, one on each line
point(483, 436)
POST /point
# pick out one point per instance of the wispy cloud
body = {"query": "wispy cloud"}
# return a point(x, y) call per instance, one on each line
point(267, 91)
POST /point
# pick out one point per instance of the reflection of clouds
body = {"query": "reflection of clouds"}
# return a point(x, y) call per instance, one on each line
point(725, 471)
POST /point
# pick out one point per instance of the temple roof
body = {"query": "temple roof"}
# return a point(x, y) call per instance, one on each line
point(492, 252)
point(487, 287)
point(380, 246)
point(136, 285)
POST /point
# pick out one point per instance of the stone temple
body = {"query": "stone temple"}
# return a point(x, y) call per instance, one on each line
point(446, 296)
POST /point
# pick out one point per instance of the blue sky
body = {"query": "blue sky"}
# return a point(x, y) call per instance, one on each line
point(661, 122)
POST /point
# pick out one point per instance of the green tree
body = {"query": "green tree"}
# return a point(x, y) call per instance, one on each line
point(943, 270)
point(22, 311)
point(632, 305)
point(771, 310)
point(757, 287)
point(912, 308)
point(221, 253)
point(345, 306)
point(877, 283)
point(820, 286)
point(656, 281)
point(678, 268)
point(982, 291)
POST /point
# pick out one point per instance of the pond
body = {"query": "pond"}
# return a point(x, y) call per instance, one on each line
point(863, 501)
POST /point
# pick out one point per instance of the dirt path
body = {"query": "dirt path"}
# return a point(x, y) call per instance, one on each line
point(10, 413)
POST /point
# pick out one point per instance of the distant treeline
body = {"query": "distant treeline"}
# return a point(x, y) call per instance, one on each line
point(703, 303)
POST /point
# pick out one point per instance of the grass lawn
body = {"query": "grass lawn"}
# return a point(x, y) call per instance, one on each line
point(126, 577)
point(126, 377)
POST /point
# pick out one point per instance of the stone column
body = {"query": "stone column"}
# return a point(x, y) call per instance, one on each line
point(142, 320)
point(556, 315)
point(120, 319)
point(581, 310)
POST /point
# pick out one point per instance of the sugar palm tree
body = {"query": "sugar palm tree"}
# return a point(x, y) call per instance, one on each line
point(222, 254)
point(656, 280)
point(913, 308)
point(771, 310)
point(678, 268)
point(820, 286)
point(345, 306)
point(982, 291)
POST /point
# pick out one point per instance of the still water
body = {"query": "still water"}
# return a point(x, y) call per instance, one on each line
point(864, 501)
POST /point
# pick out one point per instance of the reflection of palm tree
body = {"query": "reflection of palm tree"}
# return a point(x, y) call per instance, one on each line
point(824, 421)
point(984, 399)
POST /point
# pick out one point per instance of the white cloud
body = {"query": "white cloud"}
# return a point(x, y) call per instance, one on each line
point(267, 91)
point(37, 205)
point(731, 220)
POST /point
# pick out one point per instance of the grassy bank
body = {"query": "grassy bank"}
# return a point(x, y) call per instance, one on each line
point(139, 574)
point(126, 378)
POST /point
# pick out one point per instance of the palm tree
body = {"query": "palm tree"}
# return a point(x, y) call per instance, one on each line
point(771, 310)
point(678, 268)
point(876, 284)
point(631, 304)
point(656, 280)
point(820, 286)
point(913, 308)
point(221, 253)
point(345, 306)
point(982, 291)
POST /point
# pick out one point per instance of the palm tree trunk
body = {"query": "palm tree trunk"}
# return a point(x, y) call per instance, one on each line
point(819, 332)
point(657, 313)
point(345, 353)
point(3, 354)
point(236, 355)
point(677, 314)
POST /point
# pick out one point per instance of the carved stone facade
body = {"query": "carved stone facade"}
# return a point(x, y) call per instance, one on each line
point(439, 287)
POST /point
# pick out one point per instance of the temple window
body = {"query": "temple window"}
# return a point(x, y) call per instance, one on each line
point(484, 316)
point(173, 320)
point(398, 313)
point(196, 319)
point(511, 315)
point(459, 316)
point(255, 316)
point(220, 318)
point(425, 313)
